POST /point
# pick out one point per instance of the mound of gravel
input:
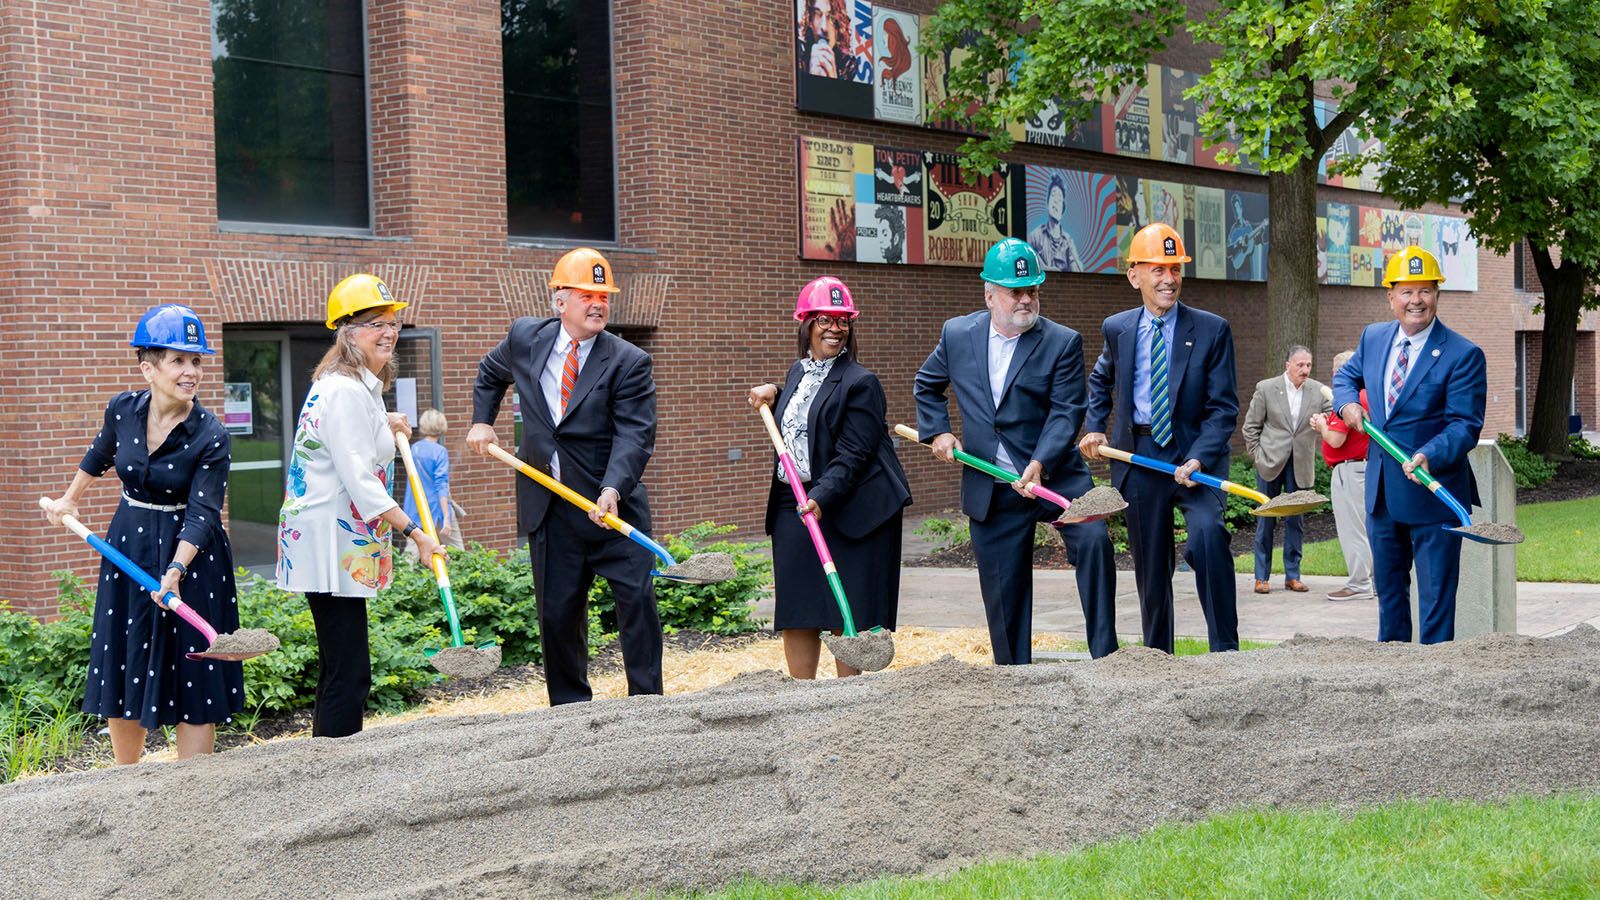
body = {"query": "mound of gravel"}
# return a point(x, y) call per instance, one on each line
point(909, 771)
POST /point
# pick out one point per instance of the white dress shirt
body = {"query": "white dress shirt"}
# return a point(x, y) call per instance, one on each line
point(1418, 341)
point(1294, 399)
point(1001, 349)
point(550, 381)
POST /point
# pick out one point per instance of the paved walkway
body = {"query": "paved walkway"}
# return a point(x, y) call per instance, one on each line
point(949, 598)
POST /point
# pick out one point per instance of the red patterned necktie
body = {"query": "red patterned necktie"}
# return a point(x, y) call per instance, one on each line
point(1398, 379)
point(569, 376)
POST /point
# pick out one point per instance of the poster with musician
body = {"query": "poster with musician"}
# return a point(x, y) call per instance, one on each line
point(1210, 244)
point(828, 198)
point(1072, 219)
point(890, 223)
point(1164, 202)
point(1130, 121)
point(1338, 216)
point(935, 84)
point(897, 91)
point(1247, 236)
point(964, 219)
point(1458, 253)
point(833, 58)
point(1131, 215)
point(1178, 115)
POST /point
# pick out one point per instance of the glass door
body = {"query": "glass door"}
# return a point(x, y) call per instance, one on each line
point(255, 368)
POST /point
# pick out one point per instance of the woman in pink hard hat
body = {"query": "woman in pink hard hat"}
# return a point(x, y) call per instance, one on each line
point(171, 457)
point(832, 413)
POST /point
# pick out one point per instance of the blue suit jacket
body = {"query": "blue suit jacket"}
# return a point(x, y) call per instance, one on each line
point(1439, 412)
point(1201, 379)
point(1041, 403)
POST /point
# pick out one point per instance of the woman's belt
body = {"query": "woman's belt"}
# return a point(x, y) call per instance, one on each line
point(158, 507)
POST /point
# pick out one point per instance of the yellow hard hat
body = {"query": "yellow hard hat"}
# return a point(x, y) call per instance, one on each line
point(1157, 243)
point(584, 269)
point(1412, 264)
point(356, 293)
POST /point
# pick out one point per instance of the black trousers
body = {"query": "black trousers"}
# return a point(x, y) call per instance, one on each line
point(568, 552)
point(344, 664)
point(1151, 496)
point(1003, 545)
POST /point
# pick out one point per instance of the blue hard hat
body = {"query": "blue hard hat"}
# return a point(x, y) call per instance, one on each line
point(171, 326)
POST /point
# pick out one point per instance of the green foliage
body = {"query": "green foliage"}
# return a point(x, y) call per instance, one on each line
point(1580, 448)
point(947, 534)
point(1530, 468)
point(1242, 471)
point(723, 608)
point(34, 731)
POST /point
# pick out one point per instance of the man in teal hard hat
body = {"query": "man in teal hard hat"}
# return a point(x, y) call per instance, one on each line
point(1019, 382)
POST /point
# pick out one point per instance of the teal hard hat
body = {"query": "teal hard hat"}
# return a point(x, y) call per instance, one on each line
point(1012, 263)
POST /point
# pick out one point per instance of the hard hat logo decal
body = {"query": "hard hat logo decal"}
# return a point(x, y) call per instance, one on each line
point(599, 274)
point(835, 296)
point(383, 291)
point(1415, 265)
point(1169, 247)
point(1022, 267)
point(191, 332)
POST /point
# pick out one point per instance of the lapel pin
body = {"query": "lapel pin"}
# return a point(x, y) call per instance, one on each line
point(1436, 351)
point(1188, 343)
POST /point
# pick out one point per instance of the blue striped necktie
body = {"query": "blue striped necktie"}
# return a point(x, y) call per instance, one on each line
point(1160, 405)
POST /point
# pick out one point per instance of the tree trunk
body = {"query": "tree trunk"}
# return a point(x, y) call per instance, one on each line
point(1558, 355)
point(1291, 315)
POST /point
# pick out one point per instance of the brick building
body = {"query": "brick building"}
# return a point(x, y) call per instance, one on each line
point(155, 151)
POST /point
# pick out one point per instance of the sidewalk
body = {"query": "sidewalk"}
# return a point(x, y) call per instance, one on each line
point(949, 598)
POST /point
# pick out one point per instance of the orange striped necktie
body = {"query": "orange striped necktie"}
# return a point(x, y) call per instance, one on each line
point(569, 375)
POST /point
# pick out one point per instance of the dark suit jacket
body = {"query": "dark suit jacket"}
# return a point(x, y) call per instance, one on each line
point(1203, 386)
point(1041, 404)
point(855, 477)
point(1439, 412)
point(607, 435)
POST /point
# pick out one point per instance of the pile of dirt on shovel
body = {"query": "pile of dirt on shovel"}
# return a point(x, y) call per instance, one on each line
point(908, 771)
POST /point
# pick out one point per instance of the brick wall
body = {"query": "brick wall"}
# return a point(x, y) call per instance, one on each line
point(108, 178)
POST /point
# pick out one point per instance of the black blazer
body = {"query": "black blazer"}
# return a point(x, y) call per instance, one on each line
point(855, 477)
point(607, 435)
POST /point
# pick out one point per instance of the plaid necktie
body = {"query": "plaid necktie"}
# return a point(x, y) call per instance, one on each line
point(569, 376)
point(1160, 405)
point(1398, 379)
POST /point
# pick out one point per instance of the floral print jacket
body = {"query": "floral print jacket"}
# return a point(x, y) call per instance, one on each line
point(330, 536)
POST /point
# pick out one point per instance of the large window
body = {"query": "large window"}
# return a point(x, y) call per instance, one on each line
point(291, 112)
point(559, 170)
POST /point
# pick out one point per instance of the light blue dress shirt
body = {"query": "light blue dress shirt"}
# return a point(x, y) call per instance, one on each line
point(1141, 360)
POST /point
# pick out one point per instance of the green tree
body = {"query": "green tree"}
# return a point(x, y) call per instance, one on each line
point(1269, 55)
point(1518, 137)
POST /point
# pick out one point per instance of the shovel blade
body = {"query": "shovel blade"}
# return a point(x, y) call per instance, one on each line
point(869, 651)
point(1489, 533)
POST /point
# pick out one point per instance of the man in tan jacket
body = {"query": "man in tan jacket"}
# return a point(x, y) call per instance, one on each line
point(1283, 445)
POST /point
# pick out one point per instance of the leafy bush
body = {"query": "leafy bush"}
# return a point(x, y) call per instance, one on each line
point(945, 533)
point(1242, 471)
point(1581, 448)
point(1530, 469)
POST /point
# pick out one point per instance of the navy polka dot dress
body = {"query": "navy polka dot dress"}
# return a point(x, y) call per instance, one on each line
point(137, 668)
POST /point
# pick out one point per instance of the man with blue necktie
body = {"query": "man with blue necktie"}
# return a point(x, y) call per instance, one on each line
point(1169, 370)
point(1427, 387)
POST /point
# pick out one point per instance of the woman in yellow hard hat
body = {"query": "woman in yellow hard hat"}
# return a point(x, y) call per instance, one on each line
point(338, 518)
point(171, 457)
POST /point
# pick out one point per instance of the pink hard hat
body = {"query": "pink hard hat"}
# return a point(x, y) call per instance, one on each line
point(825, 295)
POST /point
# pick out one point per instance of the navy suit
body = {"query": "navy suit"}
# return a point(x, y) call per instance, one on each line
point(1205, 406)
point(1439, 412)
point(1040, 409)
point(604, 440)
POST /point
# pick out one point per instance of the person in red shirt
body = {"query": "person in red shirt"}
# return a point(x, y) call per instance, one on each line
point(1345, 452)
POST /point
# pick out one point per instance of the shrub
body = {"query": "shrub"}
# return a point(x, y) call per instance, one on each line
point(1581, 448)
point(1241, 470)
point(946, 534)
point(1530, 469)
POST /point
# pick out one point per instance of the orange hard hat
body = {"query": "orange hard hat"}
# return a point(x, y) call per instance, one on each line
point(1157, 243)
point(584, 269)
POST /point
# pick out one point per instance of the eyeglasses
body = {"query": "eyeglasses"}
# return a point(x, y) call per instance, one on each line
point(378, 326)
point(840, 322)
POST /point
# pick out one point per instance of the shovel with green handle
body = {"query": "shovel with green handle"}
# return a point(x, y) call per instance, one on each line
point(1039, 490)
point(1486, 533)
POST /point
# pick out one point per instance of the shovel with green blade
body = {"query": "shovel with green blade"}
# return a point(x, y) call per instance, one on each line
point(457, 660)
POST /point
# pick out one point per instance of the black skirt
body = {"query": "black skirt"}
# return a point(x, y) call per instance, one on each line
point(869, 568)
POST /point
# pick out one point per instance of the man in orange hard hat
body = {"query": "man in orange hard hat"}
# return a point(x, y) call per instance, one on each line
point(1168, 370)
point(588, 419)
point(1426, 388)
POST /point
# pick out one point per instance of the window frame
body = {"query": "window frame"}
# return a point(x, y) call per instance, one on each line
point(557, 242)
point(251, 226)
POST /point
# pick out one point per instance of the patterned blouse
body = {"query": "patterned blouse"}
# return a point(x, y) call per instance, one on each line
point(795, 428)
point(330, 537)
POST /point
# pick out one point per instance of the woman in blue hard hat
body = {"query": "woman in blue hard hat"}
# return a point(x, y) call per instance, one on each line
point(832, 413)
point(171, 456)
point(338, 518)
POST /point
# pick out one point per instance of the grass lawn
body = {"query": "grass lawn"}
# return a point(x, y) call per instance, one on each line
point(1529, 847)
point(1554, 551)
